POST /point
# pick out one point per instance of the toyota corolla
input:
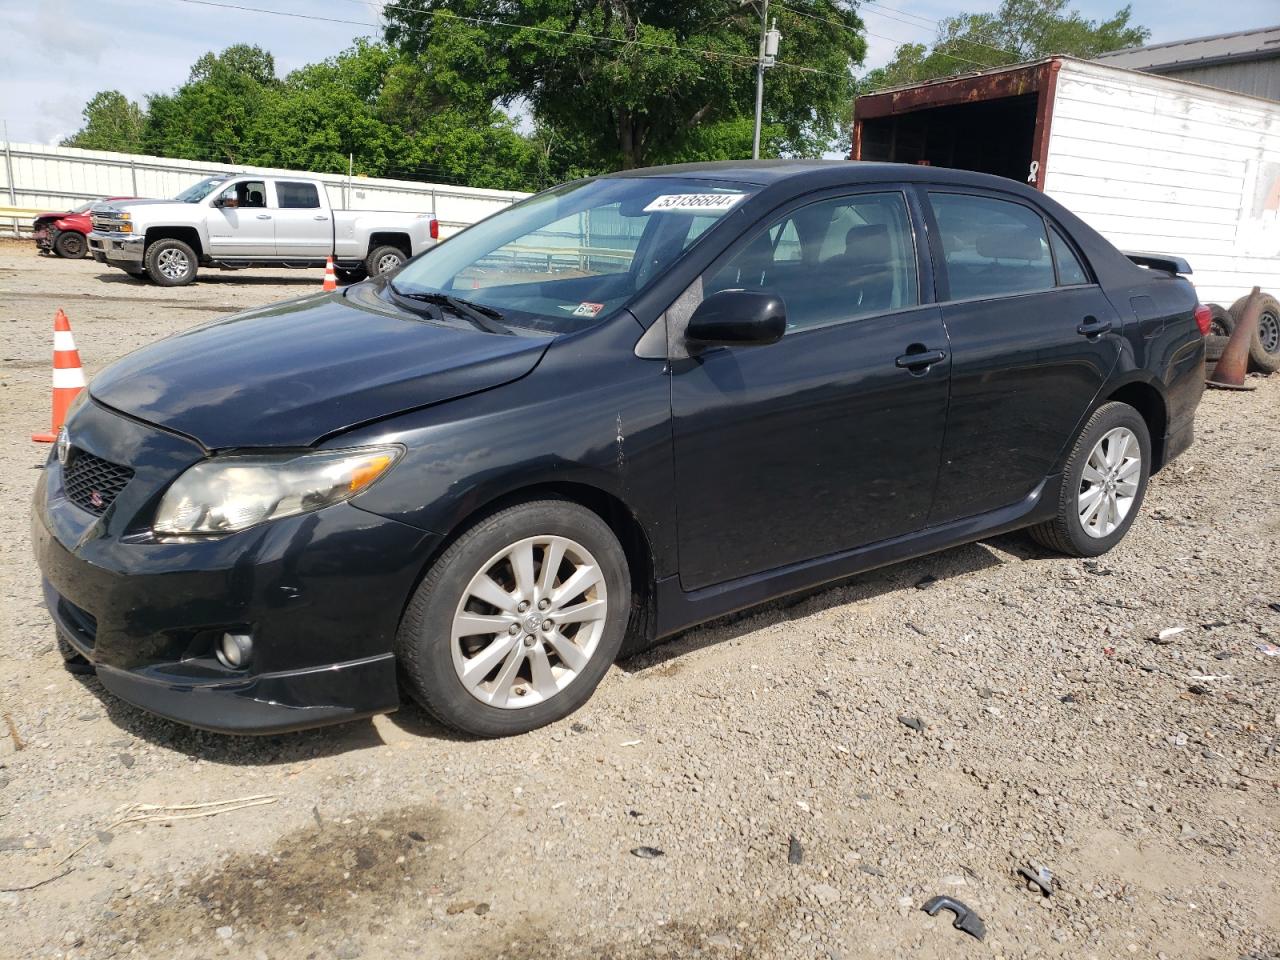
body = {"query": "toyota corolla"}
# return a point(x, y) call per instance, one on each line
point(617, 409)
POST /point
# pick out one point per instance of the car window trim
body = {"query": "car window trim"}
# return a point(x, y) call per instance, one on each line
point(1080, 260)
point(940, 264)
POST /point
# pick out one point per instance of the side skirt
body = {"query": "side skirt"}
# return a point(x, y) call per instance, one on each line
point(678, 610)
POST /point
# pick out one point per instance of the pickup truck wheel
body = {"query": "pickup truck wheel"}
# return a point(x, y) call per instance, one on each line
point(171, 263)
point(383, 260)
point(70, 245)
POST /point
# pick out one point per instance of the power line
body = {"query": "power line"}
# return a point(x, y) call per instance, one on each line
point(504, 24)
point(845, 26)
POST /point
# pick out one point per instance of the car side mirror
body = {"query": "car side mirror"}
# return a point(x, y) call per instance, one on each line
point(219, 201)
point(740, 318)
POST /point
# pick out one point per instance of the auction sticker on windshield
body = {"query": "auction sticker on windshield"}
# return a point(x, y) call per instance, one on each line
point(693, 202)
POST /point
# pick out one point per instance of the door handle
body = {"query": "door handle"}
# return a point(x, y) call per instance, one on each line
point(920, 359)
point(1093, 327)
point(264, 216)
point(319, 218)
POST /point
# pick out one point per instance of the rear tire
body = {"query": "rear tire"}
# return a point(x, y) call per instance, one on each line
point(1264, 348)
point(517, 678)
point(1100, 476)
point(171, 263)
point(70, 245)
point(385, 259)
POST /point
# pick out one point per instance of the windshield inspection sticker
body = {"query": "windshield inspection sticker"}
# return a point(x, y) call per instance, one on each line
point(693, 202)
point(588, 309)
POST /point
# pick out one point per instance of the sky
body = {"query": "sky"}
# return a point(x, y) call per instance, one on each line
point(61, 52)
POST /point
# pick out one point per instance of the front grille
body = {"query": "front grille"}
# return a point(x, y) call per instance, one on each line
point(93, 483)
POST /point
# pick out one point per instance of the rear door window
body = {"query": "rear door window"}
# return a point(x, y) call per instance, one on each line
point(297, 196)
point(992, 248)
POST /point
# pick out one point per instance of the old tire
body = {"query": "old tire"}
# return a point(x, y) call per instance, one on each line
point(1106, 473)
point(171, 263)
point(70, 245)
point(1214, 345)
point(1264, 349)
point(522, 667)
point(1221, 322)
point(384, 259)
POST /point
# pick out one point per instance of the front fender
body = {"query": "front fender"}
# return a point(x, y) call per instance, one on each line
point(591, 413)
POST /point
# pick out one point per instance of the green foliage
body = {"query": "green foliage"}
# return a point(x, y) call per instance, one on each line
point(595, 85)
point(110, 119)
point(623, 83)
point(1020, 30)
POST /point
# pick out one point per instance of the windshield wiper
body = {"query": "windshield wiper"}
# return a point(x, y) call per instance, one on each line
point(485, 317)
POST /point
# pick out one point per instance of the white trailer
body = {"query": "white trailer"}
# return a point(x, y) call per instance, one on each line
point(1152, 163)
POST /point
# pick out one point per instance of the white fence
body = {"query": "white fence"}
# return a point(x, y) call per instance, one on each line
point(57, 178)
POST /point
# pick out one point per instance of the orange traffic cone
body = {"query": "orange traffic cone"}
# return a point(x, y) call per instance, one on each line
point(1229, 373)
point(68, 375)
point(330, 278)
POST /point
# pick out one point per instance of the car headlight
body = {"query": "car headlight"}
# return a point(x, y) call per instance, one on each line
point(231, 493)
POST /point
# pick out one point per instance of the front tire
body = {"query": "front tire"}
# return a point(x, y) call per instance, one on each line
point(517, 622)
point(171, 263)
point(70, 245)
point(1103, 484)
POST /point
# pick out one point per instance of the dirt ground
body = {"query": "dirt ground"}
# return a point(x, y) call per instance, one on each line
point(768, 756)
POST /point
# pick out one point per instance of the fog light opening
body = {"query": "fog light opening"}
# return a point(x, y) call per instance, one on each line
point(234, 650)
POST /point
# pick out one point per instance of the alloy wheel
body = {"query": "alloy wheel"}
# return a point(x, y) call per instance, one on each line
point(173, 264)
point(529, 622)
point(389, 261)
point(1109, 483)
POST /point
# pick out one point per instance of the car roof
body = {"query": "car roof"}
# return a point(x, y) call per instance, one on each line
point(821, 172)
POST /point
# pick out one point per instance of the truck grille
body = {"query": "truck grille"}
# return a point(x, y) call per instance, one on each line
point(93, 483)
point(106, 222)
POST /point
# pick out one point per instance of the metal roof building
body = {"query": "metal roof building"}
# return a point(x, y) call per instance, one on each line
point(1245, 62)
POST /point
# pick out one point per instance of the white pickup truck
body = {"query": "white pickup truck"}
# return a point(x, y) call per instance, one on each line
point(233, 221)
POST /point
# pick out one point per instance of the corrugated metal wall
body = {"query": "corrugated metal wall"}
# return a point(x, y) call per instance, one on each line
point(1158, 165)
point(57, 178)
point(1258, 78)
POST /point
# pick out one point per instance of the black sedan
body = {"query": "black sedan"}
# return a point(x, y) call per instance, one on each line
point(619, 408)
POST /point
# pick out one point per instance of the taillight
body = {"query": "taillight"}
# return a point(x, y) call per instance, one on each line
point(1204, 318)
point(435, 229)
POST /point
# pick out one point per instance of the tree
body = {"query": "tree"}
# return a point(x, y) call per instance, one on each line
point(1020, 30)
point(210, 116)
point(111, 122)
point(623, 83)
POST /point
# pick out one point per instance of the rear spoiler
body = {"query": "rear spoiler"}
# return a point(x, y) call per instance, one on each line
point(1160, 261)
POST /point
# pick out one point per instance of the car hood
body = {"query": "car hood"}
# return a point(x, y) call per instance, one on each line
point(293, 373)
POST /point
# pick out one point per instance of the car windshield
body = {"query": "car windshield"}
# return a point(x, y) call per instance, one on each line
point(84, 207)
point(569, 257)
point(198, 191)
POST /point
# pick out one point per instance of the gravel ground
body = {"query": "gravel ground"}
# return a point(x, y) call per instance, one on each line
point(812, 771)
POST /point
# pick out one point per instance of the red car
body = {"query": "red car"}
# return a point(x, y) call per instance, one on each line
point(64, 233)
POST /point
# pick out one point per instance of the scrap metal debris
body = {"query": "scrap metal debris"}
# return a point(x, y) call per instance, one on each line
point(647, 853)
point(1039, 876)
point(795, 852)
point(966, 919)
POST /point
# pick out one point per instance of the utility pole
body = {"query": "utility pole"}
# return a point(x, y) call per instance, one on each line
point(767, 55)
